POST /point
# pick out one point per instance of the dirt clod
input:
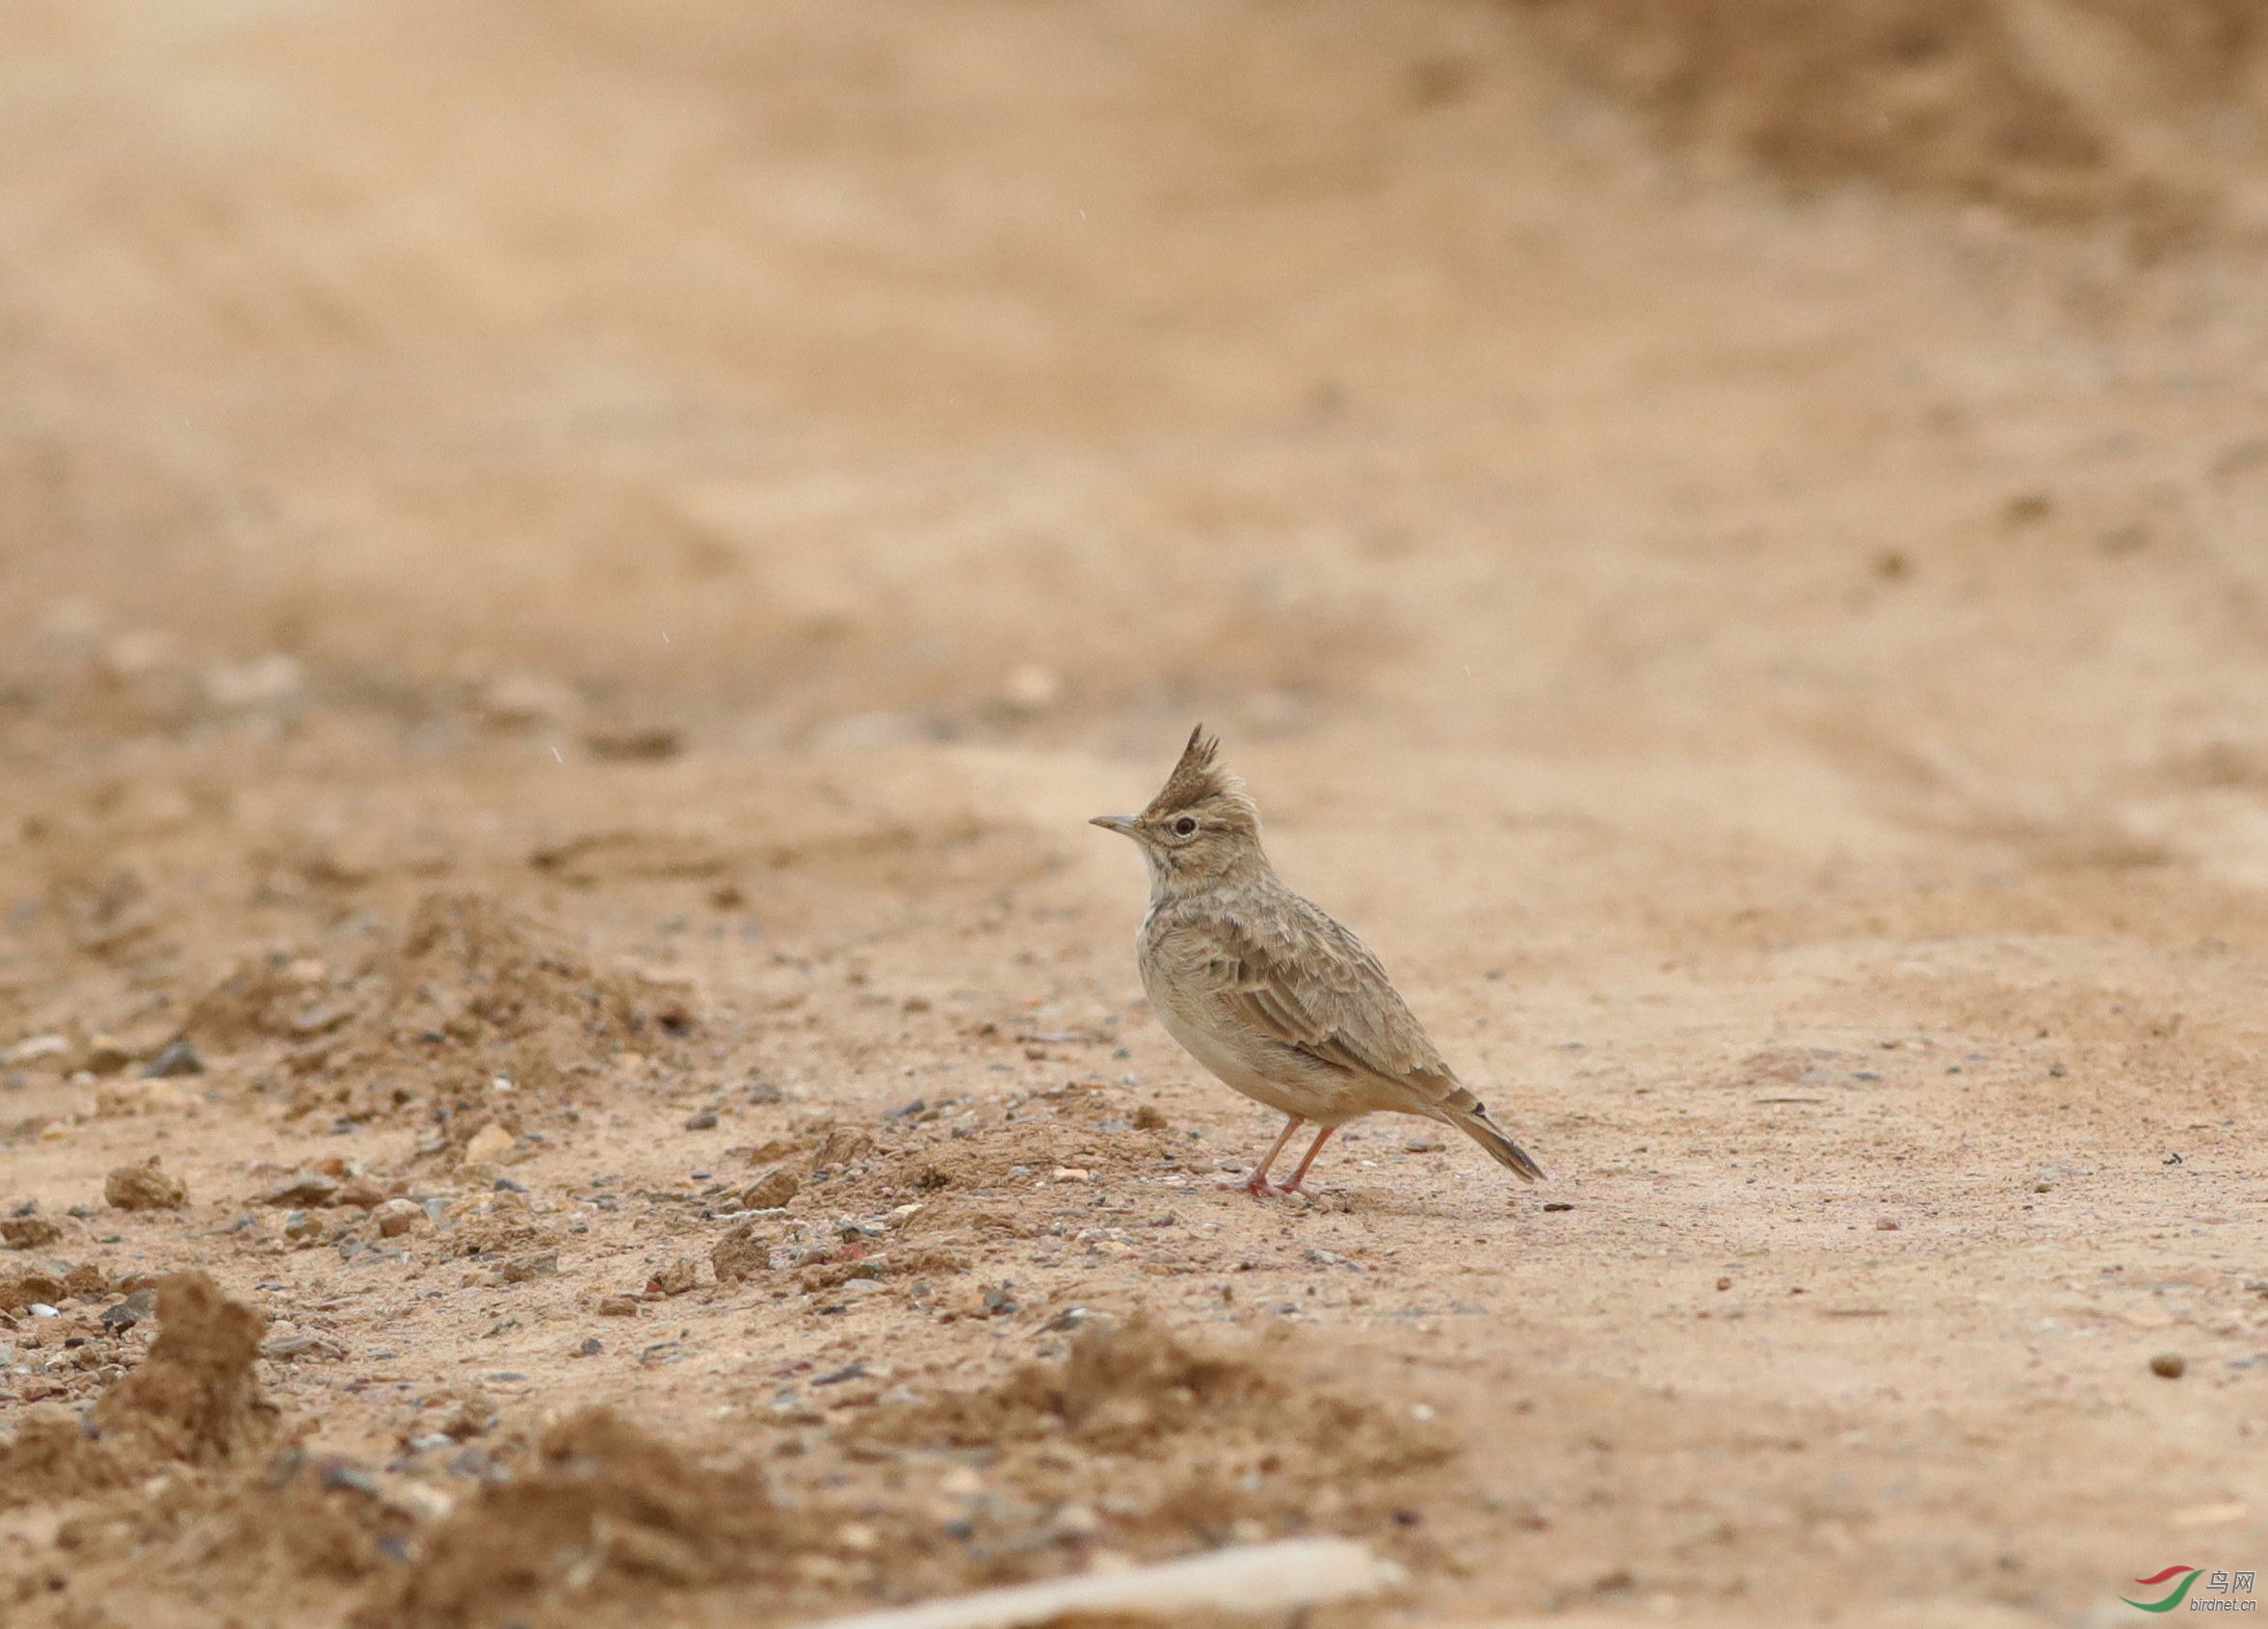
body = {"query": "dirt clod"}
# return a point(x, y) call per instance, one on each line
point(24, 1287)
point(194, 1398)
point(29, 1232)
point(1954, 98)
point(192, 1401)
point(145, 1186)
point(743, 1252)
point(604, 1512)
point(1169, 1433)
point(769, 1192)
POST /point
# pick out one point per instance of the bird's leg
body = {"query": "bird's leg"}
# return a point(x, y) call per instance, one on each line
point(1313, 1148)
point(1256, 1183)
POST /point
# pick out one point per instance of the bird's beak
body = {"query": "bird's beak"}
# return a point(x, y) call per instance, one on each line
point(1123, 825)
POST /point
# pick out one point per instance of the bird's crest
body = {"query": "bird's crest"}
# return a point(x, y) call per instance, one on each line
point(1198, 777)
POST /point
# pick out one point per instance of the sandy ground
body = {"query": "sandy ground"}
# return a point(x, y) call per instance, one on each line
point(570, 575)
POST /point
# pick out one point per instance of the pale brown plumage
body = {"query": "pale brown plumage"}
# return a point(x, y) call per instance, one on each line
point(1268, 992)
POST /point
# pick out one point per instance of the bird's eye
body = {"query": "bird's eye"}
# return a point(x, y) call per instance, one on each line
point(1185, 826)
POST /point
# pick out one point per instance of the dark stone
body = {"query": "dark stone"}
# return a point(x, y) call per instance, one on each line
point(179, 1058)
point(141, 1305)
point(338, 1474)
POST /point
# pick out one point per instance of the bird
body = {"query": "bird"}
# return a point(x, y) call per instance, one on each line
point(1266, 990)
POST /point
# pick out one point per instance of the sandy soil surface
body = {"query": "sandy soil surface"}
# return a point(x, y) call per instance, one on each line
point(569, 575)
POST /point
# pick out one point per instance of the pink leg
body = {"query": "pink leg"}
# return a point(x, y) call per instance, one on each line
point(1256, 1183)
point(1313, 1148)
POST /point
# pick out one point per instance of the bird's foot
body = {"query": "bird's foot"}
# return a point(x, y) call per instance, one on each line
point(1256, 1185)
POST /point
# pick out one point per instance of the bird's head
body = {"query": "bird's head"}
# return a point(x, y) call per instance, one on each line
point(1200, 829)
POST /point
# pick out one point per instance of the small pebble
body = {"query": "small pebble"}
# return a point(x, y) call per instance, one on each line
point(2168, 1365)
point(489, 1144)
point(340, 1474)
point(301, 1187)
point(592, 1347)
point(705, 1120)
point(132, 1310)
point(1724, 1283)
point(176, 1060)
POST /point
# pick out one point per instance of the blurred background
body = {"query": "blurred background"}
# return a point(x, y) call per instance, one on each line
point(1873, 381)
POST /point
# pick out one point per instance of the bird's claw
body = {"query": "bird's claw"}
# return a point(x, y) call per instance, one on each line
point(1256, 1185)
point(1260, 1188)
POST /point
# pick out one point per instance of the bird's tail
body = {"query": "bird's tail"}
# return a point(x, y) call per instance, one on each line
point(1475, 1124)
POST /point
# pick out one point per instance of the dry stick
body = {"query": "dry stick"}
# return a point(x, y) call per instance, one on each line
point(1244, 1578)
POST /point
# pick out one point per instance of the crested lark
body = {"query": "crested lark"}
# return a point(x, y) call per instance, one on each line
point(1268, 992)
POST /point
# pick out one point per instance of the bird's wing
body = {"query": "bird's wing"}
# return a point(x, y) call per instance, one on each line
point(1301, 980)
